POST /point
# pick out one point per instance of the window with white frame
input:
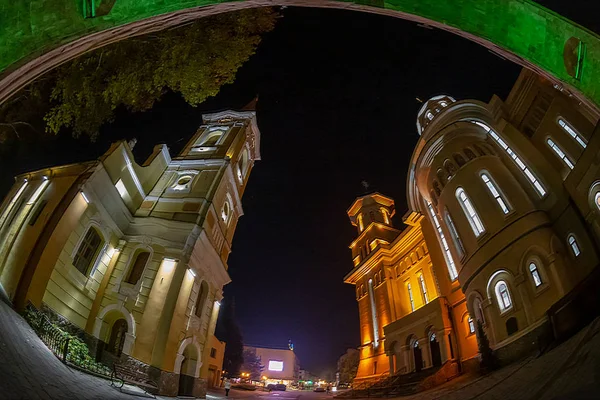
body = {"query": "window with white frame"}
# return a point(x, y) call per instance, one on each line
point(447, 255)
point(455, 238)
point(574, 246)
point(572, 132)
point(470, 212)
point(423, 289)
point(503, 296)
point(410, 296)
point(561, 154)
point(471, 325)
point(88, 251)
point(183, 183)
point(526, 171)
point(535, 274)
point(495, 193)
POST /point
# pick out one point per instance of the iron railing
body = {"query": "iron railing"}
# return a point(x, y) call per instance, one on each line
point(72, 353)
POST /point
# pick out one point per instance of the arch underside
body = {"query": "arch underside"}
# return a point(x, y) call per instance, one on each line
point(38, 35)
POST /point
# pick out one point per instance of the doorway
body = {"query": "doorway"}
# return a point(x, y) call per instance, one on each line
point(434, 345)
point(418, 356)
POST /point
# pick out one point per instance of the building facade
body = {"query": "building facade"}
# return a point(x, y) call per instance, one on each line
point(503, 231)
point(134, 256)
point(281, 365)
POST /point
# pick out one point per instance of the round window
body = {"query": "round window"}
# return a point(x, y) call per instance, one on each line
point(184, 180)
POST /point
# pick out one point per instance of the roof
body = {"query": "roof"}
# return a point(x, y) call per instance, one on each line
point(378, 197)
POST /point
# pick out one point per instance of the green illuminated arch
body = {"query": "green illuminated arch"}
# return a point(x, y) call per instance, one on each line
point(37, 35)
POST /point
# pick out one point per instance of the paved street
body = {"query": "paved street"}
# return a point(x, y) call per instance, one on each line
point(571, 371)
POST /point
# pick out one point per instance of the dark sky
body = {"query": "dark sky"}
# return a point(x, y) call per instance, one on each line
point(337, 106)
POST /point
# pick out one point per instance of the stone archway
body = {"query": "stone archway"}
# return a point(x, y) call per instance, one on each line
point(523, 32)
point(105, 324)
point(188, 365)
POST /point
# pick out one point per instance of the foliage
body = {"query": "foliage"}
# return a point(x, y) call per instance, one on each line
point(488, 361)
point(195, 60)
point(78, 353)
point(228, 331)
point(252, 365)
point(348, 365)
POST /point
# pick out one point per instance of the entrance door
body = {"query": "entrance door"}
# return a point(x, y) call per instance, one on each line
point(186, 385)
point(436, 356)
point(418, 357)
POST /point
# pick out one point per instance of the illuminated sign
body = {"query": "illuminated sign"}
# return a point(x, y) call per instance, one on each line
point(275, 365)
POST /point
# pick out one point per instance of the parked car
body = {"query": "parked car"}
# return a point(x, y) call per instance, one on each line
point(277, 386)
point(319, 389)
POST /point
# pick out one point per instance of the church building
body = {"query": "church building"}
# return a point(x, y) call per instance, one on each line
point(134, 256)
point(501, 237)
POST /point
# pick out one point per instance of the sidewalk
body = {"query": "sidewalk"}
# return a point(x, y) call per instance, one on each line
point(30, 371)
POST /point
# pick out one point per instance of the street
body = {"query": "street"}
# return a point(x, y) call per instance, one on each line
point(214, 394)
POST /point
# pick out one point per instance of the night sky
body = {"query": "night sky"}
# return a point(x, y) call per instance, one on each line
point(337, 106)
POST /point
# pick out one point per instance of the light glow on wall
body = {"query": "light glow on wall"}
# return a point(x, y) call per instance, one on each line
point(374, 315)
point(275, 365)
point(121, 188)
point(85, 198)
point(39, 191)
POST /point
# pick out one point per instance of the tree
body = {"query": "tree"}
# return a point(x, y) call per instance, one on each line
point(348, 365)
point(195, 60)
point(228, 331)
point(488, 361)
point(252, 365)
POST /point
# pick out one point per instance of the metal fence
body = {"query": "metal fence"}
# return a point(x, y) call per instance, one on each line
point(71, 352)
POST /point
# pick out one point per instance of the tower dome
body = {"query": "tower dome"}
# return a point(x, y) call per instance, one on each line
point(431, 108)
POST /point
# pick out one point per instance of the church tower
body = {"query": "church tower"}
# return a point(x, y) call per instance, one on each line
point(371, 214)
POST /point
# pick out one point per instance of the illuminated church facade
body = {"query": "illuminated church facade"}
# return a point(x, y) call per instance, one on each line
point(503, 231)
point(134, 257)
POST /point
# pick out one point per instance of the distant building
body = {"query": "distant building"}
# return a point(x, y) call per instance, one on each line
point(306, 376)
point(132, 256)
point(503, 229)
point(212, 362)
point(280, 364)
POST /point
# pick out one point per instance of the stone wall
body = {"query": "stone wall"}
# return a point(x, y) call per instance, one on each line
point(530, 343)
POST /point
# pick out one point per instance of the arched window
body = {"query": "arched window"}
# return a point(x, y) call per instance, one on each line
point(450, 168)
point(572, 132)
point(526, 171)
point(574, 245)
point(447, 255)
point(503, 296)
point(212, 138)
point(561, 154)
point(471, 325)
point(410, 296)
point(201, 299)
point(455, 238)
point(429, 115)
point(360, 223)
point(441, 177)
point(535, 274)
point(478, 310)
point(470, 212)
point(423, 289)
point(495, 193)
point(88, 251)
point(459, 159)
point(597, 200)
point(469, 153)
point(242, 166)
point(137, 268)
